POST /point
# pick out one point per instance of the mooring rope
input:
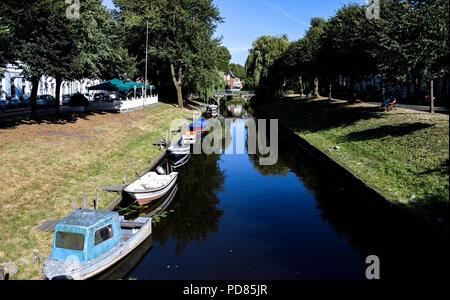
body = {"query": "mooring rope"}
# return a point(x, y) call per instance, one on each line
point(119, 211)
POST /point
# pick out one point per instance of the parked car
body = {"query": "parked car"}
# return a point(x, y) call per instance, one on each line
point(100, 97)
point(14, 102)
point(66, 99)
point(113, 96)
point(45, 101)
point(78, 100)
point(89, 97)
point(3, 104)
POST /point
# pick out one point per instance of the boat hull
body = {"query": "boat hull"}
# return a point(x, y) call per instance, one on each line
point(145, 197)
point(62, 270)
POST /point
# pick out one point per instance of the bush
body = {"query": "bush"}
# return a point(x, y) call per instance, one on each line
point(78, 100)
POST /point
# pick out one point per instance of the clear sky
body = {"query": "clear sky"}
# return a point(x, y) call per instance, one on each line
point(247, 20)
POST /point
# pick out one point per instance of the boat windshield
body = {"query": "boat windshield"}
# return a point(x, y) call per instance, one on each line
point(69, 241)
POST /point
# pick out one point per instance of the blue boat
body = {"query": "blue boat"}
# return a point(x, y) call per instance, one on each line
point(200, 124)
point(200, 127)
point(88, 242)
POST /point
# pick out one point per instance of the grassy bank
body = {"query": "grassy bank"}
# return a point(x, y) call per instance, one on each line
point(45, 166)
point(404, 154)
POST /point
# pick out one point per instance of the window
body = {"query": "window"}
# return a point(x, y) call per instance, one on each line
point(104, 234)
point(70, 241)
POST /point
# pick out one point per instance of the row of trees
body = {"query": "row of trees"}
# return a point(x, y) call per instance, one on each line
point(49, 37)
point(407, 45)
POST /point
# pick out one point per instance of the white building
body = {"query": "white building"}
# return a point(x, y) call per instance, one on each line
point(14, 85)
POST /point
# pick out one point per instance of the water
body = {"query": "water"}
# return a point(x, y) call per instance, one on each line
point(233, 219)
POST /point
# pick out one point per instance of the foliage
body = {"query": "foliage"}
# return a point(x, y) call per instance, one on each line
point(239, 71)
point(407, 45)
point(264, 53)
point(182, 48)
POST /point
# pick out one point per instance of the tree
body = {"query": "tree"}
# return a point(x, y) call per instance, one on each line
point(238, 71)
point(264, 53)
point(181, 36)
point(428, 52)
point(27, 23)
point(6, 45)
point(345, 46)
point(224, 56)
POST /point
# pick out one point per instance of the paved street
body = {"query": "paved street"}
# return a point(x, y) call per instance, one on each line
point(439, 110)
point(9, 114)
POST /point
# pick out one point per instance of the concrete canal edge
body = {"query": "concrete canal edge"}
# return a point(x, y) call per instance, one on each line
point(333, 166)
point(371, 194)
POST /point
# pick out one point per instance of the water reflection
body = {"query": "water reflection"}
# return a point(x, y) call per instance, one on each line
point(231, 218)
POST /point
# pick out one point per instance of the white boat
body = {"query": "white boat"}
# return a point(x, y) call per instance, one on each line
point(179, 149)
point(151, 186)
point(179, 160)
point(90, 242)
point(189, 138)
point(214, 110)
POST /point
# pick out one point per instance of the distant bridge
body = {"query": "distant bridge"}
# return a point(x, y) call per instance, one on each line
point(244, 95)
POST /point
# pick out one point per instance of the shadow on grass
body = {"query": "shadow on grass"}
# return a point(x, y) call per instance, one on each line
point(48, 118)
point(319, 115)
point(386, 131)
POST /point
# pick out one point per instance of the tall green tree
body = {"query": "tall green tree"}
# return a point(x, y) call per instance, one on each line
point(181, 36)
point(345, 46)
point(264, 53)
point(428, 51)
point(239, 71)
point(224, 56)
point(27, 22)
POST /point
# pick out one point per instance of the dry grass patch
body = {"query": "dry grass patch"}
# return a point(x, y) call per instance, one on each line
point(45, 166)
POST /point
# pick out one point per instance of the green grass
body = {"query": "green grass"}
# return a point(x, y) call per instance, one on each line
point(403, 154)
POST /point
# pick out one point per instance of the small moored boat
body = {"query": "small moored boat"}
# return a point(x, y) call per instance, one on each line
point(213, 110)
point(151, 186)
point(179, 149)
point(177, 161)
point(200, 127)
point(189, 138)
point(89, 242)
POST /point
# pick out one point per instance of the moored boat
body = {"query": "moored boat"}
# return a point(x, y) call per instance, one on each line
point(213, 110)
point(151, 186)
point(189, 138)
point(179, 149)
point(200, 127)
point(177, 161)
point(89, 242)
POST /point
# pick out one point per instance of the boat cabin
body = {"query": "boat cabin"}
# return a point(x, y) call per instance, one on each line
point(214, 110)
point(86, 235)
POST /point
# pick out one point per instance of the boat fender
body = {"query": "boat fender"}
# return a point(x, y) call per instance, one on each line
point(160, 170)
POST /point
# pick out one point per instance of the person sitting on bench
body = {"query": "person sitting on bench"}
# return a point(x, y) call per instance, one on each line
point(393, 104)
point(385, 104)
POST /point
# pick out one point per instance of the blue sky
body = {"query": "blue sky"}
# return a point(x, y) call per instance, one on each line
point(247, 20)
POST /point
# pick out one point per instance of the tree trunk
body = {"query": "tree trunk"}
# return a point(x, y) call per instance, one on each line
point(432, 97)
point(33, 97)
point(316, 87)
point(302, 89)
point(58, 94)
point(329, 91)
point(177, 83)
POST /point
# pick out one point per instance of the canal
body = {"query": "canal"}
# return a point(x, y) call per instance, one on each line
point(230, 218)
